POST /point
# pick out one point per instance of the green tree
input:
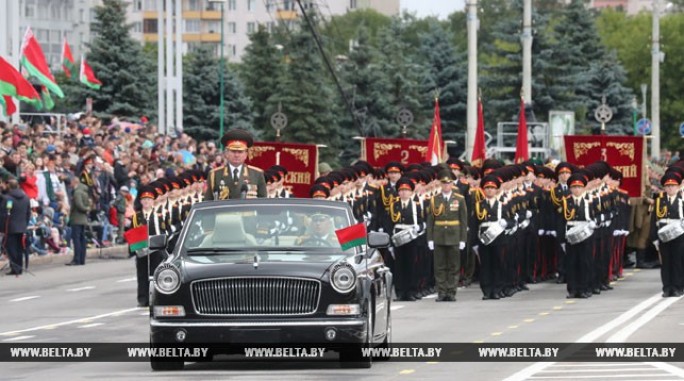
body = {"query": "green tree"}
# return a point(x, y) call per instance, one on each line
point(118, 61)
point(339, 30)
point(607, 78)
point(307, 97)
point(201, 97)
point(403, 76)
point(444, 72)
point(261, 65)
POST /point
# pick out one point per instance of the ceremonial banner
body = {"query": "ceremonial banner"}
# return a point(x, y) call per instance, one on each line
point(301, 161)
point(624, 153)
point(379, 151)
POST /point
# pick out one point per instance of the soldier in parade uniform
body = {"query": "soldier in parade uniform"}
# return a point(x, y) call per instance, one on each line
point(447, 223)
point(145, 261)
point(558, 194)
point(236, 179)
point(577, 209)
point(666, 235)
point(280, 190)
point(406, 214)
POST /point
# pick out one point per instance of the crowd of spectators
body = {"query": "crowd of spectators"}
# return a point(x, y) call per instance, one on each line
point(47, 162)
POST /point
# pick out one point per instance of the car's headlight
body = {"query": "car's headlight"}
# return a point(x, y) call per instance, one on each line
point(343, 278)
point(167, 279)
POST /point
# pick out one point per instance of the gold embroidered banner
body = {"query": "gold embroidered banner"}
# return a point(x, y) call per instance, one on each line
point(380, 151)
point(624, 153)
point(301, 161)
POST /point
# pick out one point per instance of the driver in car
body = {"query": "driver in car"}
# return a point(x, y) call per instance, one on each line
point(320, 233)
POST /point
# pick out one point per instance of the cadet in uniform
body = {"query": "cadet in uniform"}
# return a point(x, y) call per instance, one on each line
point(145, 261)
point(406, 214)
point(229, 181)
point(447, 224)
point(669, 211)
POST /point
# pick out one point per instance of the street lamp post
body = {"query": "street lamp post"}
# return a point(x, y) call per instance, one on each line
point(221, 69)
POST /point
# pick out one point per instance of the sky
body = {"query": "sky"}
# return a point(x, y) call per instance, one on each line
point(439, 8)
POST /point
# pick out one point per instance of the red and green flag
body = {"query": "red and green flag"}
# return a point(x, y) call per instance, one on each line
point(352, 236)
point(33, 60)
point(87, 76)
point(137, 238)
point(68, 63)
point(7, 105)
point(13, 84)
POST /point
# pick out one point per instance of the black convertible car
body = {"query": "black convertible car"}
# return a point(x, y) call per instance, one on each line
point(270, 271)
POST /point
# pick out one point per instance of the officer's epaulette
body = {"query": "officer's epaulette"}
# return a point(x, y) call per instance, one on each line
point(218, 168)
point(255, 168)
point(458, 195)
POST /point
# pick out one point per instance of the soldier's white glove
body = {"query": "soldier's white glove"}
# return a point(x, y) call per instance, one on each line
point(603, 218)
point(540, 232)
point(563, 247)
point(592, 224)
point(528, 214)
point(503, 223)
point(553, 233)
point(431, 245)
point(415, 229)
point(391, 250)
point(461, 245)
point(656, 243)
point(617, 233)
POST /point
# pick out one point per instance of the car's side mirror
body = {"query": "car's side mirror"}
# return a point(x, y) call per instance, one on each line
point(157, 242)
point(378, 240)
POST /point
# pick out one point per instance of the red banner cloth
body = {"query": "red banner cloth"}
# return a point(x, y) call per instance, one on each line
point(624, 153)
point(380, 151)
point(301, 161)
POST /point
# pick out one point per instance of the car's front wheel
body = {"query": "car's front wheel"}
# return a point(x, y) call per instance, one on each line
point(164, 364)
point(354, 358)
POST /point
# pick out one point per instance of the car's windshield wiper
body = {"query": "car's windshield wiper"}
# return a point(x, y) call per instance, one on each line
point(215, 250)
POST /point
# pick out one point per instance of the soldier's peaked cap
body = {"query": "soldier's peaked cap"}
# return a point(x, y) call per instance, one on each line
point(237, 140)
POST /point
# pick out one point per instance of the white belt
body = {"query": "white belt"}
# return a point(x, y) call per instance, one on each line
point(403, 226)
point(573, 223)
point(488, 224)
point(668, 220)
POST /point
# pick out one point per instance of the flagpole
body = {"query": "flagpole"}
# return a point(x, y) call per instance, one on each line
point(472, 24)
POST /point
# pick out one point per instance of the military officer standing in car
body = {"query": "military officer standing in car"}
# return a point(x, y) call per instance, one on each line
point(236, 179)
point(447, 224)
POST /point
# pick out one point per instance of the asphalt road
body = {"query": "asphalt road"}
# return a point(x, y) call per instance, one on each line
point(97, 303)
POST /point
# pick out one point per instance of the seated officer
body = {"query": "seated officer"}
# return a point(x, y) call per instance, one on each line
point(320, 233)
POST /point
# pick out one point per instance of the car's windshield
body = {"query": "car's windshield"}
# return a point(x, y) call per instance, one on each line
point(272, 227)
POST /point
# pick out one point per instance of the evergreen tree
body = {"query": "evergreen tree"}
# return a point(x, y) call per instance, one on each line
point(118, 61)
point(367, 87)
point(579, 46)
point(398, 64)
point(307, 97)
point(607, 78)
point(201, 97)
point(260, 66)
point(445, 72)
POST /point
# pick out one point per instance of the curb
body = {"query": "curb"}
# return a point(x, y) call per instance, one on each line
point(114, 252)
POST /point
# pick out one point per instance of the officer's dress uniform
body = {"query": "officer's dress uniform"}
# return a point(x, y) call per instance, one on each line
point(224, 185)
point(447, 224)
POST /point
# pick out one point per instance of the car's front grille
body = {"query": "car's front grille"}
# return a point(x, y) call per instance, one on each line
point(256, 296)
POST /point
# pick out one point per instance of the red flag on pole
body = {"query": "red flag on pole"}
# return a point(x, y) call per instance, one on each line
point(521, 150)
point(435, 151)
point(87, 76)
point(479, 149)
point(68, 63)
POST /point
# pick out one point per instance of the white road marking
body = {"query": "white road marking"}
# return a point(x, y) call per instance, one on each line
point(668, 368)
point(646, 368)
point(90, 325)
point(431, 296)
point(126, 280)
point(627, 331)
point(25, 298)
point(81, 288)
point(145, 313)
point(52, 326)
point(18, 338)
point(600, 376)
point(590, 337)
point(394, 308)
point(618, 364)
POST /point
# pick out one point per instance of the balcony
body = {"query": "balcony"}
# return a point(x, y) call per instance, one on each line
point(286, 15)
point(188, 37)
